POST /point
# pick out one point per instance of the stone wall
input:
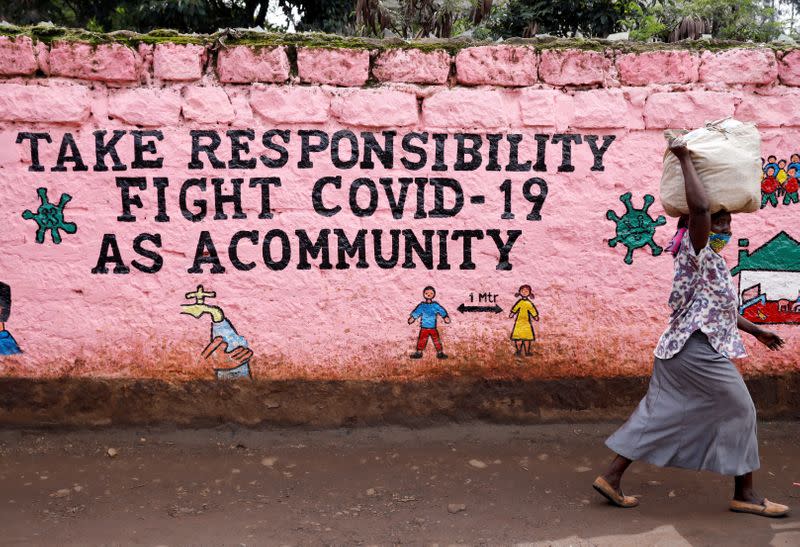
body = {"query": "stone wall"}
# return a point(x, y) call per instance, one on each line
point(316, 191)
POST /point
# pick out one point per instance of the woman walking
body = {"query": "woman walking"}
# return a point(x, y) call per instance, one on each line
point(522, 335)
point(697, 413)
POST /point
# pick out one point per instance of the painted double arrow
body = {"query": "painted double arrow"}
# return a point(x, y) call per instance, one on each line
point(467, 309)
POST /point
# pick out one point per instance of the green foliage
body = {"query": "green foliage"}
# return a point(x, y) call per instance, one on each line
point(420, 18)
point(558, 17)
point(204, 16)
point(735, 19)
point(406, 18)
point(755, 20)
point(727, 19)
point(334, 16)
point(644, 22)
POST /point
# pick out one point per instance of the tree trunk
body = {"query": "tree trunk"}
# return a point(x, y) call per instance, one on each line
point(482, 9)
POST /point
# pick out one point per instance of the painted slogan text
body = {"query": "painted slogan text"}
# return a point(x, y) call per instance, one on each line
point(206, 200)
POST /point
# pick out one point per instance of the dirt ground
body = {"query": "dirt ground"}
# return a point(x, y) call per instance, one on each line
point(461, 484)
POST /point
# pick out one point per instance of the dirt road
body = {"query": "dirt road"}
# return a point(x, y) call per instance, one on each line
point(465, 484)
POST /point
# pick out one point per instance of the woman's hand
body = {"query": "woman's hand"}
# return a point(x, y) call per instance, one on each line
point(678, 147)
point(769, 339)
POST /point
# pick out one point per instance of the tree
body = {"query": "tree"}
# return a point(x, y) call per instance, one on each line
point(406, 18)
point(204, 16)
point(735, 19)
point(108, 15)
point(674, 20)
point(757, 20)
point(791, 10)
point(334, 16)
point(420, 18)
point(558, 17)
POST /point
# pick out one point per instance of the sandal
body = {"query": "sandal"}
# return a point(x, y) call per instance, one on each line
point(617, 498)
point(764, 509)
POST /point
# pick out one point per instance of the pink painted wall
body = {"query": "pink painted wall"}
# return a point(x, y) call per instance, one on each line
point(598, 315)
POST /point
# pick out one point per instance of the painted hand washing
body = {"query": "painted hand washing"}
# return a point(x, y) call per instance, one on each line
point(227, 348)
point(206, 214)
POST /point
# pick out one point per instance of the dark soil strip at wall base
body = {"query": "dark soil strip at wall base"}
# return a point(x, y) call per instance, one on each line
point(91, 402)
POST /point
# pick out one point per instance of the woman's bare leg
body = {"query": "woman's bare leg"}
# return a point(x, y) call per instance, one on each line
point(615, 471)
point(743, 489)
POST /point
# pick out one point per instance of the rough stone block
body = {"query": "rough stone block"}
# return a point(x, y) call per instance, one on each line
point(343, 67)
point(242, 111)
point(176, 62)
point(412, 66)
point(207, 105)
point(601, 108)
point(104, 62)
point(291, 104)
point(375, 107)
point(739, 66)
point(538, 107)
point(789, 68)
point(38, 103)
point(573, 67)
point(244, 64)
point(636, 97)
point(658, 67)
point(145, 107)
point(465, 108)
point(16, 56)
point(778, 110)
point(42, 53)
point(497, 65)
point(145, 53)
point(686, 109)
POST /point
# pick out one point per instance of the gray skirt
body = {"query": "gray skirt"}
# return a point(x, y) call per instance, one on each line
point(697, 414)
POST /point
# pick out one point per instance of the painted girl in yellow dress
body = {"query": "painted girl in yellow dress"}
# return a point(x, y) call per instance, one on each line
point(522, 335)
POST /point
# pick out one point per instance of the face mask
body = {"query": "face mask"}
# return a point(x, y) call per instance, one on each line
point(718, 241)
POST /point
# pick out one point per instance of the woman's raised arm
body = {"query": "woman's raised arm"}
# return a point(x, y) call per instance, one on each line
point(696, 197)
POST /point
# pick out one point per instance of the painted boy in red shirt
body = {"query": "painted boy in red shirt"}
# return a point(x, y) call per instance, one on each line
point(769, 188)
point(791, 187)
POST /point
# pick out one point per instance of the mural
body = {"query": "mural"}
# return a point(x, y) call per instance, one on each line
point(769, 280)
point(522, 334)
point(779, 179)
point(428, 311)
point(50, 217)
point(8, 346)
point(296, 233)
point(227, 353)
point(636, 228)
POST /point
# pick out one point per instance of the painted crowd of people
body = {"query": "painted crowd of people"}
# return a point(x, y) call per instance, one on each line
point(779, 179)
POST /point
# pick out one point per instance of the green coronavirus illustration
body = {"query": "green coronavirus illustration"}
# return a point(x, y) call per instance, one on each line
point(636, 227)
point(50, 217)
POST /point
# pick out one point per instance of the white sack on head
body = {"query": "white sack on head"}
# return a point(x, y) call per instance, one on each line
point(727, 157)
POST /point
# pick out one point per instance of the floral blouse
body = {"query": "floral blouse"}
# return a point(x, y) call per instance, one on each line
point(703, 298)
